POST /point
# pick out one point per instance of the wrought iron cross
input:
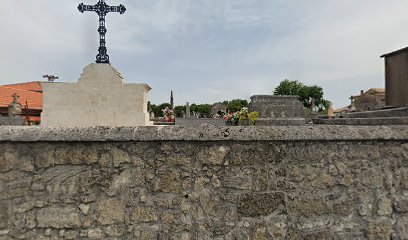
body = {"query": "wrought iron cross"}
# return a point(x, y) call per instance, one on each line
point(101, 8)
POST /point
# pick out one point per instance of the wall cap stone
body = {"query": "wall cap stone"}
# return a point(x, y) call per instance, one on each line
point(202, 133)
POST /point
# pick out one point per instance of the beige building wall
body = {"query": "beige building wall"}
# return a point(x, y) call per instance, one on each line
point(100, 98)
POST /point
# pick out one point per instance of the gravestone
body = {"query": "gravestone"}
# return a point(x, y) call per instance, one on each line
point(100, 98)
point(188, 113)
point(277, 110)
point(15, 109)
point(218, 109)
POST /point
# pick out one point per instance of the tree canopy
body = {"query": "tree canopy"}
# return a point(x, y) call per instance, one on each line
point(236, 104)
point(203, 110)
point(307, 94)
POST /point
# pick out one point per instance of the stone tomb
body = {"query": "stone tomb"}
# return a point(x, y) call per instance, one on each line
point(100, 98)
point(277, 110)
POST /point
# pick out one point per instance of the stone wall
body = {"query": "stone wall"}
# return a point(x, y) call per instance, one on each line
point(321, 182)
point(191, 122)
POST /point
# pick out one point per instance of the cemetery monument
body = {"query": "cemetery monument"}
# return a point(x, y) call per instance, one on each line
point(100, 98)
point(14, 113)
point(277, 110)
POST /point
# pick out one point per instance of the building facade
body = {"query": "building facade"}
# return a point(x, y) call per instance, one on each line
point(396, 78)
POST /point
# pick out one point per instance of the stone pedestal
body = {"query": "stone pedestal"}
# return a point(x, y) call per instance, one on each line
point(100, 98)
point(277, 110)
point(12, 121)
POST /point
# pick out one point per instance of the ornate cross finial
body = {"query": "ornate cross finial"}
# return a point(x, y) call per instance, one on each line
point(101, 8)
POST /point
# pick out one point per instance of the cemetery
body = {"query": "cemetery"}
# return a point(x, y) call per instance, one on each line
point(101, 165)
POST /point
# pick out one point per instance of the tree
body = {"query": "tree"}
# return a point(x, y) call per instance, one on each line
point(178, 110)
point(157, 110)
point(307, 94)
point(287, 87)
point(236, 105)
point(204, 110)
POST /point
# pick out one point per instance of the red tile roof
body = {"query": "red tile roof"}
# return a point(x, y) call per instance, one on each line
point(30, 86)
point(34, 119)
point(30, 93)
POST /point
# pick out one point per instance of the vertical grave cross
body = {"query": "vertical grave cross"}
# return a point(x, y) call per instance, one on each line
point(101, 8)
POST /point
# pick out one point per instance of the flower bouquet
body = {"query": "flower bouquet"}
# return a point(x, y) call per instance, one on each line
point(169, 115)
point(241, 118)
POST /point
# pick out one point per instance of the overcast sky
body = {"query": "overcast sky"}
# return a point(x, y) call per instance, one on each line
point(209, 50)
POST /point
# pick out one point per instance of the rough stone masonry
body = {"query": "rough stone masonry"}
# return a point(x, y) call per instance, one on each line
point(320, 182)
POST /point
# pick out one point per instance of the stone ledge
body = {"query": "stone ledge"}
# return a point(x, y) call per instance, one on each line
point(203, 133)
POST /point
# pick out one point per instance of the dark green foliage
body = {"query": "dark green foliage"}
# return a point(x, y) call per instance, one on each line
point(178, 110)
point(204, 110)
point(307, 94)
point(236, 105)
point(287, 87)
point(157, 110)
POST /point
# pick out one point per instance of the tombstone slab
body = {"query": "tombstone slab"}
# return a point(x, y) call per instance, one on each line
point(100, 98)
point(277, 110)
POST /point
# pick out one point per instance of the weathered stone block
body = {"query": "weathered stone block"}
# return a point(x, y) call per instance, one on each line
point(144, 214)
point(343, 208)
point(63, 182)
point(119, 157)
point(322, 181)
point(17, 188)
point(71, 234)
point(116, 230)
point(372, 178)
point(260, 204)
point(95, 233)
point(80, 154)
point(178, 159)
point(44, 155)
point(7, 160)
point(126, 179)
point(237, 177)
point(308, 207)
point(376, 231)
point(147, 233)
point(4, 216)
point(402, 228)
point(244, 154)
point(110, 211)
point(261, 233)
point(384, 206)
point(168, 181)
point(169, 216)
point(213, 155)
point(58, 217)
point(321, 235)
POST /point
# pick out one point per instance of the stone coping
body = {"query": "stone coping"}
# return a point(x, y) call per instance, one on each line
point(203, 133)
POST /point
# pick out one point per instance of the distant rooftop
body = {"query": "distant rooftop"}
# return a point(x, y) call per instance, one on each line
point(30, 93)
point(395, 52)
